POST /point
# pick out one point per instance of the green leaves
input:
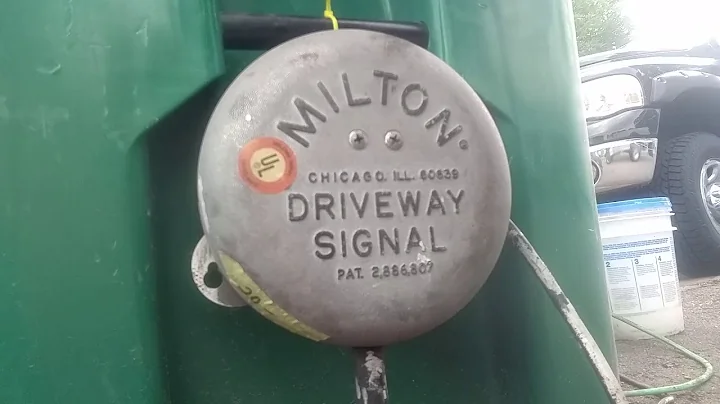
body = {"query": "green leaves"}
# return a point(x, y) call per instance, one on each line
point(600, 25)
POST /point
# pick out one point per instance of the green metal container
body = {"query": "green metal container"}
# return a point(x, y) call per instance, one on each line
point(102, 108)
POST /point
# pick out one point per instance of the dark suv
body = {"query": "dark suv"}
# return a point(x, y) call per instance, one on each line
point(653, 119)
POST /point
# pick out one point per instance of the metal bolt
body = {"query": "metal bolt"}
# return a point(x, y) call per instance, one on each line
point(393, 140)
point(358, 139)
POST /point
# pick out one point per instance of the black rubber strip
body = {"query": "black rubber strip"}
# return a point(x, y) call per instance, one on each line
point(264, 31)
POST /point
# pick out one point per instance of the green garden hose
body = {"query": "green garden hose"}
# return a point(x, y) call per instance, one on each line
point(659, 391)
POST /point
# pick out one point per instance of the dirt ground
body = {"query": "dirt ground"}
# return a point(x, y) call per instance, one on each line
point(657, 364)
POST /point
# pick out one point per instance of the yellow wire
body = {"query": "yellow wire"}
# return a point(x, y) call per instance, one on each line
point(330, 15)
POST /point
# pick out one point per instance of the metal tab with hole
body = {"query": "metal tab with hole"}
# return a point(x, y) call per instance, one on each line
point(209, 280)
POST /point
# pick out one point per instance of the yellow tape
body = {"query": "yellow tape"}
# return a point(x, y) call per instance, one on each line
point(330, 15)
point(262, 303)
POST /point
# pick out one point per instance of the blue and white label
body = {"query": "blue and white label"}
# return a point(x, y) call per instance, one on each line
point(641, 273)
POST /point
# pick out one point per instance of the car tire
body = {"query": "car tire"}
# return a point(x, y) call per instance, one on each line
point(680, 178)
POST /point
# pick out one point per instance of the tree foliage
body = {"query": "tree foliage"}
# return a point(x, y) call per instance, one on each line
point(600, 25)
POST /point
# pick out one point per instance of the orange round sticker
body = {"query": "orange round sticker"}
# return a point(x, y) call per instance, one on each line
point(267, 165)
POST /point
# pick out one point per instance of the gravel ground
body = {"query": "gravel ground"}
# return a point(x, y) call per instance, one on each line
point(657, 364)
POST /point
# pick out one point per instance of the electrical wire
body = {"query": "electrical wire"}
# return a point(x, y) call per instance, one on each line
point(602, 368)
point(592, 351)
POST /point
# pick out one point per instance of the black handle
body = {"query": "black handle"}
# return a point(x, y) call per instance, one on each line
point(264, 31)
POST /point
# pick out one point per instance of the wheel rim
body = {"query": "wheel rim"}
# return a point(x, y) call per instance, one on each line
point(710, 180)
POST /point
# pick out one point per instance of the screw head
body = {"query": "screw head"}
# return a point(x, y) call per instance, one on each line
point(358, 139)
point(393, 140)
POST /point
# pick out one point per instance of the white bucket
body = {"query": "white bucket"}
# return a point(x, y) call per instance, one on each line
point(640, 267)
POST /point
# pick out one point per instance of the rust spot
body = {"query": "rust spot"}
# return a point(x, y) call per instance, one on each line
point(306, 57)
point(561, 300)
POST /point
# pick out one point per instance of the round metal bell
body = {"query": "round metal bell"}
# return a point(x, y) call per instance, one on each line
point(353, 188)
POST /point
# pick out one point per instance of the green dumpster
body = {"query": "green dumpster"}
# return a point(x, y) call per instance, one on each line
point(102, 110)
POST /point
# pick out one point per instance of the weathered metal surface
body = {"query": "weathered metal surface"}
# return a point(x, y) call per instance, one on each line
point(370, 376)
point(602, 367)
point(201, 267)
point(358, 183)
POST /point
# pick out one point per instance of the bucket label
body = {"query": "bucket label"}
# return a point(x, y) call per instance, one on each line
point(641, 273)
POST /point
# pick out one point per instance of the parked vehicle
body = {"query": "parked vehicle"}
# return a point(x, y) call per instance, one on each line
point(653, 119)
